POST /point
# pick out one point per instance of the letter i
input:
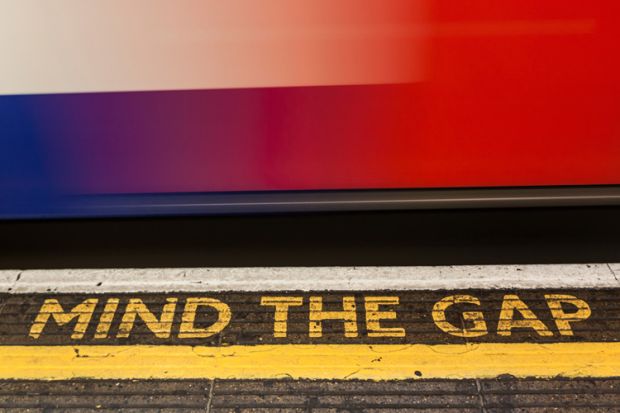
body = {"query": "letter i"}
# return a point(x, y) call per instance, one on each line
point(107, 316)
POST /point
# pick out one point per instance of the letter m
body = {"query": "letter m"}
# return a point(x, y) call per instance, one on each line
point(52, 308)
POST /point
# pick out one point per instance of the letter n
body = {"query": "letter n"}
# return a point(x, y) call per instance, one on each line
point(136, 307)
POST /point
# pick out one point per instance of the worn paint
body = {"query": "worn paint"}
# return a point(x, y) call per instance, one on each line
point(374, 315)
point(513, 314)
point(324, 361)
point(476, 318)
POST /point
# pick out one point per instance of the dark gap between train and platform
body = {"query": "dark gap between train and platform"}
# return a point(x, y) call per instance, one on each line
point(393, 238)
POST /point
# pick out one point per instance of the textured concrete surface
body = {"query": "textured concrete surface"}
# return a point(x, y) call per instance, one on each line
point(253, 325)
point(501, 395)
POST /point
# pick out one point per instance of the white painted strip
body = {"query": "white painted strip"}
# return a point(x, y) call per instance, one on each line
point(310, 278)
point(8, 279)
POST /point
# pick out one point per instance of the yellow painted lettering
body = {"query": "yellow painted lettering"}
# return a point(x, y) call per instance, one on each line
point(281, 304)
point(374, 316)
point(107, 316)
point(477, 327)
point(189, 330)
point(161, 328)
point(563, 319)
point(512, 303)
point(52, 308)
point(348, 316)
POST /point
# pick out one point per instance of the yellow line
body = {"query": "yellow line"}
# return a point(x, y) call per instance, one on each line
point(322, 361)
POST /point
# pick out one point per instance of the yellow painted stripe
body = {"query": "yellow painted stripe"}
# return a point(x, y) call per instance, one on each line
point(324, 361)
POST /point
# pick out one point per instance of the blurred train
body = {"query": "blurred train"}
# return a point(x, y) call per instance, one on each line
point(199, 107)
